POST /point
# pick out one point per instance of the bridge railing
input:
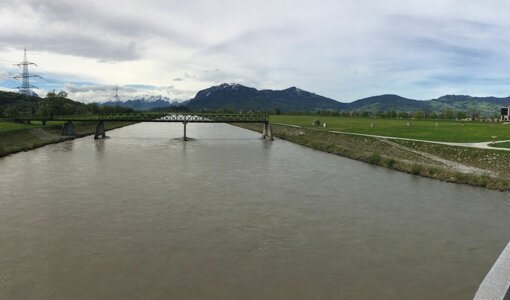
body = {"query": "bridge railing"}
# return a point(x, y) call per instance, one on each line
point(157, 117)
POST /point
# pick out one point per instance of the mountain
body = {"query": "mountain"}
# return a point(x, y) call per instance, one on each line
point(9, 98)
point(486, 106)
point(14, 103)
point(468, 104)
point(386, 103)
point(142, 103)
point(239, 97)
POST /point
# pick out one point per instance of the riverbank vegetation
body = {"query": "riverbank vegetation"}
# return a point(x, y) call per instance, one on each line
point(431, 130)
point(55, 103)
point(16, 137)
point(448, 163)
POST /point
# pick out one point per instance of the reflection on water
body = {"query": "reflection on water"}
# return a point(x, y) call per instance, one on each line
point(65, 146)
point(231, 216)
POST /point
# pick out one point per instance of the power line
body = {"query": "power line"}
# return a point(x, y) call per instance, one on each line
point(25, 76)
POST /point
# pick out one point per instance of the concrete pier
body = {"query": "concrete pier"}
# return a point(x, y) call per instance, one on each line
point(267, 132)
point(68, 128)
point(185, 138)
point(100, 130)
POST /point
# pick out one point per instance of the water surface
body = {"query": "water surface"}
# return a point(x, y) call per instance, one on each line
point(144, 215)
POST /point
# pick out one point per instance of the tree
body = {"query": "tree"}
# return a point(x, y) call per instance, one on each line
point(391, 114)
point(403, 115)
point(62, 94)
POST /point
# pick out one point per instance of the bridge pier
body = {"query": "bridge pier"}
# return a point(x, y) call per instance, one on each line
point(68, 128)
point(267, 132)
point(100, 130)
point(185, 138)
point(43, 122)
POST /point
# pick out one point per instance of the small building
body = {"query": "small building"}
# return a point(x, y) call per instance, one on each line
point(505, 114)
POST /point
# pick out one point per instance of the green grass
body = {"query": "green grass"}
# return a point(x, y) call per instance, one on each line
point(9, 126)
point(445, 131)
point(501, 145)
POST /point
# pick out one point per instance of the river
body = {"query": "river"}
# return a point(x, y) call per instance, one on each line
point(144, 215)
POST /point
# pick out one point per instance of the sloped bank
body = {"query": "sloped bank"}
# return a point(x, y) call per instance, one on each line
point(379, 152)
point(30, 138)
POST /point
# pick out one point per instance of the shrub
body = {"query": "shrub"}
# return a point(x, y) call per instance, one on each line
point(416, 169)
point(374, 159)
point(389, 162)
point(432, 170)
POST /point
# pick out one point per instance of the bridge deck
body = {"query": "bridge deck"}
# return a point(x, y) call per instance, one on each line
point(158, 117)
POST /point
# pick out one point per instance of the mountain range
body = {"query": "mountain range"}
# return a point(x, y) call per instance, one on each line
point(238, 97)
point(143, 103)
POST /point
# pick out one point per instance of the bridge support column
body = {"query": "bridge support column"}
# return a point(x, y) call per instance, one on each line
point(68, 128)
point(185, 138)
point(267, 133)
point(100, 130)
point(43, 122)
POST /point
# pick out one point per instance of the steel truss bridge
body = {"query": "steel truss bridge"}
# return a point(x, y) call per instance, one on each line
point(184, 118)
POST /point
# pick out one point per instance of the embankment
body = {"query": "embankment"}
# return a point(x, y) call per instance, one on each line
point(13, 141)
point(414, 160)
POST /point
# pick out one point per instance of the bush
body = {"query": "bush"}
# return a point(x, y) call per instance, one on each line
point(416, 169)
point(432, 170)
point(389, 162)
point(374, 159)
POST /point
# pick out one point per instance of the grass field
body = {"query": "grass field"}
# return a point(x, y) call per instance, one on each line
point(9, 126)
point(501, 145)
point(443, 131)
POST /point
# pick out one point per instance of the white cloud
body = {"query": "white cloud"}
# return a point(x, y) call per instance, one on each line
point(341, 49)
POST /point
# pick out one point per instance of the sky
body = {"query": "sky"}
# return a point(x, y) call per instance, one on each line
point(342, 49)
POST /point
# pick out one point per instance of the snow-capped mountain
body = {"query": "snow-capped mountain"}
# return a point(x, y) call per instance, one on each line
point(143, 102)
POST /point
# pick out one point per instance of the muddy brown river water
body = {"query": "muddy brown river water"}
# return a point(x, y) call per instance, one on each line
point(144, 215)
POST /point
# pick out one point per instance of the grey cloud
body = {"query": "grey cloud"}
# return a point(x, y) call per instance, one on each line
point(75, 44)
point(82, 29)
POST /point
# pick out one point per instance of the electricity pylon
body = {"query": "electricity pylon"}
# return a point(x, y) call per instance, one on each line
point(25, 76)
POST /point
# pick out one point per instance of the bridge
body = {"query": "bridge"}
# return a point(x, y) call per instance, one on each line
point(184, 118)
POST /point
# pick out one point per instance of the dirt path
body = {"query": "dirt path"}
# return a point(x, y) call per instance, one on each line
point(451, 164)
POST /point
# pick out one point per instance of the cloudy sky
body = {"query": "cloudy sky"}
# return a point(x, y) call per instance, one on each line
point(342, 49)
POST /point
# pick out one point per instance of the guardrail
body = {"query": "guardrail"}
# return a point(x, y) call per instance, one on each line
point(496, 285)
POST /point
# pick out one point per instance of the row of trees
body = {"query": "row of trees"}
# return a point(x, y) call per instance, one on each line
point(57, 104)
point(392, 114)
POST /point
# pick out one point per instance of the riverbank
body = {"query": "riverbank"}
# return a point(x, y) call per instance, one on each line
point(476, 167)
point(18, 140)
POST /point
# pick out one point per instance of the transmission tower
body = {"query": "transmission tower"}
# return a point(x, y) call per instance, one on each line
point(25, 87)
point(116, 97)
